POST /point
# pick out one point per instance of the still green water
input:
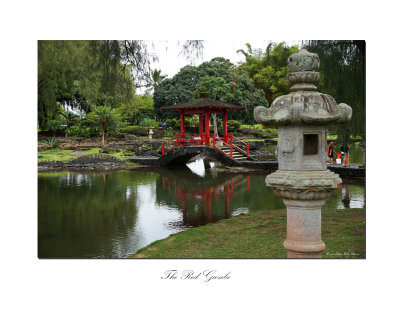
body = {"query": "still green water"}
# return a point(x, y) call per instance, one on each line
point(112, 215)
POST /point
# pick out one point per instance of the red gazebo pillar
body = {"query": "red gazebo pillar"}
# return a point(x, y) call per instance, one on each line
point(225, 126)
point(182, 124)
point(200, 124)
point(207, 128)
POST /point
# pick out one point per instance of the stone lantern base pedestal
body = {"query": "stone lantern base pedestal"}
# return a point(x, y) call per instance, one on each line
point(304, 228)
point(304, 194)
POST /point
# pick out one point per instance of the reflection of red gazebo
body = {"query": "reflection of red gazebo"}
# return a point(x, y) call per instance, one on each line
point(205, 194)
point(204, 107)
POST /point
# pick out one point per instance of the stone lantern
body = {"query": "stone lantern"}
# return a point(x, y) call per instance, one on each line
point(150, 133)
point(302, 178)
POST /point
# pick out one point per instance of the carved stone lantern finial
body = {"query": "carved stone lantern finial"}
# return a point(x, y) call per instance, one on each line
point(302, 178)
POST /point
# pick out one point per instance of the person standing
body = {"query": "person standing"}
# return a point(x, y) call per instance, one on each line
point(345, 150)
point(331, 152)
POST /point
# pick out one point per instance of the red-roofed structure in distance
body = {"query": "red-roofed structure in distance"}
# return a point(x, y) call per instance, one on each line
point(204, 107)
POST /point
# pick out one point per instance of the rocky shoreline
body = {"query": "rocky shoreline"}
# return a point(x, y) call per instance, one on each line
point(95, 162)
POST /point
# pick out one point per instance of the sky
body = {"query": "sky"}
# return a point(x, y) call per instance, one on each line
point(171, 61)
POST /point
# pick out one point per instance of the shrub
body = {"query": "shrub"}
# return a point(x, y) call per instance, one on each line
point(173, 123)
point(219, 124)
point(126, 152)
point(194, 121)
point(130, 137)
point(51, 142)
point(135, 130)
point(146, 122)
point(260, 134)
point(53, 126)
point(271, 132)
point(233, 125)
point(77, 131)
point(169, 133)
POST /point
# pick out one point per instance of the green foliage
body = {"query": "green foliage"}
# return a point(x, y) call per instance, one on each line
point(130, 137)
point(105, 119)
point(93, 151)
point(133, 131)
point(139, 108)
point(271, 132)
point(78, 131)
point(342, 68)
point(169, 133)
point(269, 69)
point(154, 79)
point(222, 82)
point(149, 123)
point(53, 126)
point(55, 155)
point(187, 122)
point(80, 74)
point(51, 142)
point(69, 118)
point(130, 130)
point(190, 121)
point(173, 123)
point(233, 125)
point(83, 74)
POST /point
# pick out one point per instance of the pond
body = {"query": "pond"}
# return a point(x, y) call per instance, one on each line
point(114, 214)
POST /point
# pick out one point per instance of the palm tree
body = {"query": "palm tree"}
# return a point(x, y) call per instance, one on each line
point(70, 118)
point(155, 79)
point(53, 126)
point(105, 118)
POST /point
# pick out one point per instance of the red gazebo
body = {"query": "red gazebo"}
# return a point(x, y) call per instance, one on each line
point(203, 107)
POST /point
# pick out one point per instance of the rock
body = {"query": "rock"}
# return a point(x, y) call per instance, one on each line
point(68, 146)
point(43, 147)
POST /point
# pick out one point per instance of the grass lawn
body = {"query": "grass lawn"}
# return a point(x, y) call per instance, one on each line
point(55, 155)
point(92, 151)
point(97, 150)
point(261, 235)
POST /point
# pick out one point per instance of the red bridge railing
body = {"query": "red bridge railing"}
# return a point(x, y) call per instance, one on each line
point(200, 140)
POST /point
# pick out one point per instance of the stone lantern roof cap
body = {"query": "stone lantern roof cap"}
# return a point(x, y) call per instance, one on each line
point(303, 61)
point(304, 105)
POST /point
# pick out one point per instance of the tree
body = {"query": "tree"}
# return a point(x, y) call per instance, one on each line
point(53, 125)
point(83, 74)
point(139, 108)
point(59, 65)
point(269, 69)
point(70, 119)
point(342, 68)
point(104, 118)
point(154, 80)
point(219, 79)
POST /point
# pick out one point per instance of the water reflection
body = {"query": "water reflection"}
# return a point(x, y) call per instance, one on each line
point(205, 200)
point(349, 194)
point(110, 215)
